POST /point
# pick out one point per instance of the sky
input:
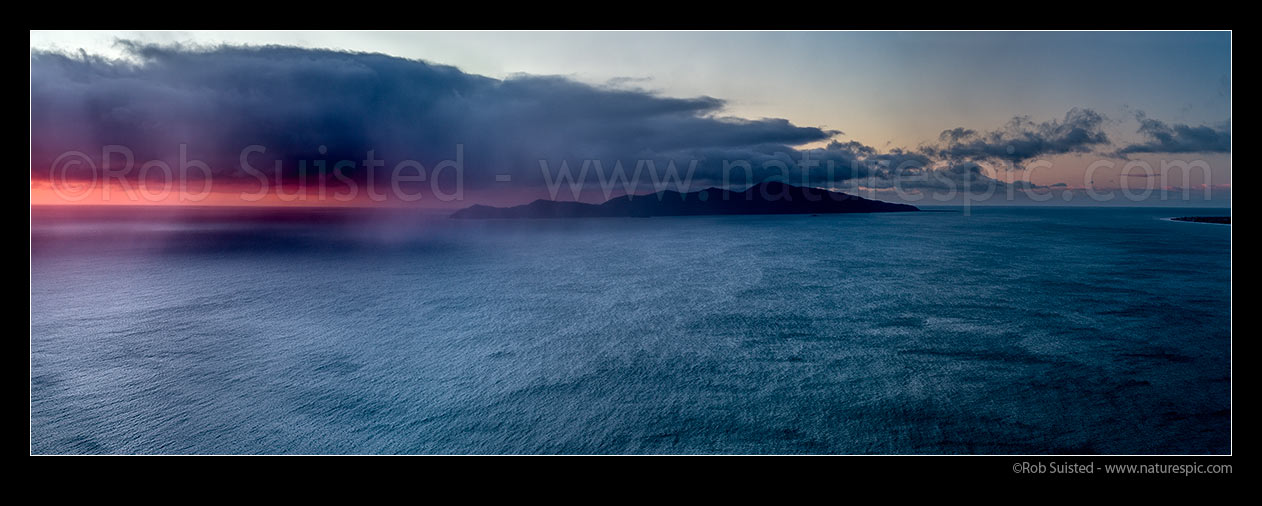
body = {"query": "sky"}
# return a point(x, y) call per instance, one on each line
point(953, 107)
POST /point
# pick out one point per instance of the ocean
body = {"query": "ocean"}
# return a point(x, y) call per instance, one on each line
point(1002, 330)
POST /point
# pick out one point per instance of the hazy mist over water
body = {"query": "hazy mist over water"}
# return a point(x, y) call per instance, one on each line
point(1009, 330)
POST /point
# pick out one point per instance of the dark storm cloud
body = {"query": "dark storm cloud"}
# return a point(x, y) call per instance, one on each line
point(1166, 138)
point(216, 101)
point(1022, 139)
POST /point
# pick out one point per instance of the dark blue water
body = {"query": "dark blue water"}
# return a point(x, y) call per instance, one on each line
point(1010, 330)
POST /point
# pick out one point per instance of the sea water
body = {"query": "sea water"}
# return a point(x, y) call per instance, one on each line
point(997, 330)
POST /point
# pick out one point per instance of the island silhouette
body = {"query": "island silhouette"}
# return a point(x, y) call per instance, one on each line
point(771, 197)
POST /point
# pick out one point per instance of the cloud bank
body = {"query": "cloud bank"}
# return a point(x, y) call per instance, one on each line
point(318, 104)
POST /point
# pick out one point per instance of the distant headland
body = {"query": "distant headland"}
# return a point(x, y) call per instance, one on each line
point(763, 198)
point(1221, 220)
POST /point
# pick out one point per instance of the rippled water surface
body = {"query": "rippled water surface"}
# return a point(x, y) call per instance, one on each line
point(1008, 330)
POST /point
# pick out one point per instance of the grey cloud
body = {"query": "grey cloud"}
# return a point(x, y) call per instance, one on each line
point(956, 134)
point(1021, 139)
point(1178, 138)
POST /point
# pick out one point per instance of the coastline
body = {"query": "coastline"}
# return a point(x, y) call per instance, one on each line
point(1204, 220)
